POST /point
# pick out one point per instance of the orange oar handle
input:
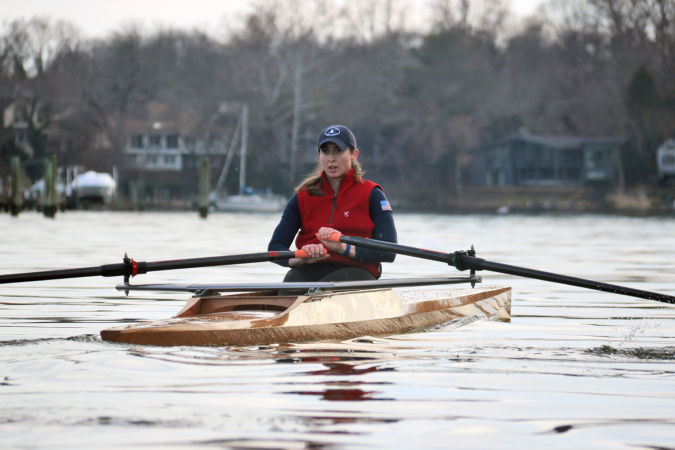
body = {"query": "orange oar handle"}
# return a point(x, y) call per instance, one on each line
point(335, 237)
point(303, 254)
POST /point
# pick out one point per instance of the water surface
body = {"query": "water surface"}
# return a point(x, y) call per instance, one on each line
point(574, 368)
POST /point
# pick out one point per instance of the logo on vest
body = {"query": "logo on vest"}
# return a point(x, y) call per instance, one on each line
point(346, 213)
point(332, 131)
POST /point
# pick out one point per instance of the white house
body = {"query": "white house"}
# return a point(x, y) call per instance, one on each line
point(157, 149)
point(165, 139)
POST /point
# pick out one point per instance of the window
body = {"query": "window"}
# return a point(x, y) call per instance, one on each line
point(137, 141)
point(155, 140)
point(172, 141)
point(170, 160)
point(598, 161)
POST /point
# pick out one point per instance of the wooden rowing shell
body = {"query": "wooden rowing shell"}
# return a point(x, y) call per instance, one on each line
point(259, 318)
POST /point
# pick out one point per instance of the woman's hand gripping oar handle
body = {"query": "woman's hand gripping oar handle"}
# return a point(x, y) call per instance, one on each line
point(300, 254)
point(464, 260)
point(334, 237)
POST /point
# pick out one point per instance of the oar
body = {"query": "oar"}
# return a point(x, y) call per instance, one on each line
point(129, 267)
point(464, 260)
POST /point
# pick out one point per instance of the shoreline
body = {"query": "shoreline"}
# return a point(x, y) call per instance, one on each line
point(639, 201)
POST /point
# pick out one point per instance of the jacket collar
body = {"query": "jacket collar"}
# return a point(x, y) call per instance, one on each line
point(346, 181)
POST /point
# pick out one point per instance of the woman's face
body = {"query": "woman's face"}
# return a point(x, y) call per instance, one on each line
point(334, 161)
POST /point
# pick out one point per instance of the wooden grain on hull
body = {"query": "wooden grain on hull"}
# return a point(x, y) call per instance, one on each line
point(262, 319)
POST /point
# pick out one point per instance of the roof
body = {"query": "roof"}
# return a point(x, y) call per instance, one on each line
point(559, 142)
point(160, 116)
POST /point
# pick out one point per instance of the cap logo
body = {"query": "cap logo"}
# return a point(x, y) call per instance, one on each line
point(332, 131)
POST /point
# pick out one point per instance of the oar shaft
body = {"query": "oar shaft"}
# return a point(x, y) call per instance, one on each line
point(132, 268)
point(480, 264)
point(107, 270)
point(465, 261)
point(214, 261)
point(397, 248)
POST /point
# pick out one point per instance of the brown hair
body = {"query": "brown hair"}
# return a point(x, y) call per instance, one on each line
point(312, 182)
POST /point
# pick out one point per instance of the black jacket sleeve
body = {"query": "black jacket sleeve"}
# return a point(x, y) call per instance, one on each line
point(385, 230)
point(288, 227)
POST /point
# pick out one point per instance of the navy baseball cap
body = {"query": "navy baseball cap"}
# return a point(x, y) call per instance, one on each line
point(339, 135)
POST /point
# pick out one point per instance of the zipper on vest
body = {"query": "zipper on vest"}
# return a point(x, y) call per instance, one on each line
point(330, 222)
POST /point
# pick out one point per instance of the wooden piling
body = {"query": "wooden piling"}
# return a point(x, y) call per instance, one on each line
point(133, 195)
point(49, 200)
point(137, 194)
point(14, 194)
point(204, 186)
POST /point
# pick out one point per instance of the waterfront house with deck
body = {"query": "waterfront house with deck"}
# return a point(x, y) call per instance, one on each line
point(164, 147)
point(524, 159)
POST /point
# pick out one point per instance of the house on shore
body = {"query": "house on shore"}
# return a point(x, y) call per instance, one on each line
point(524, 159)
point(164, 148)
point(17, 116)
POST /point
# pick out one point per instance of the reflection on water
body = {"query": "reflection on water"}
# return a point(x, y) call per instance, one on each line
point(574, 368)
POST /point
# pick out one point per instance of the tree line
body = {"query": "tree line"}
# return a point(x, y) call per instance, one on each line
point(418, 100)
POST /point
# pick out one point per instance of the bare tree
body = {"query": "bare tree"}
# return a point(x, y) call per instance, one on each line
point(34, 43)
point(118, 81)
point(284, 67)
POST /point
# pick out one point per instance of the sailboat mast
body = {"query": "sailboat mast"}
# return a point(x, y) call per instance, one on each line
point(244, 139)
point(220, 186)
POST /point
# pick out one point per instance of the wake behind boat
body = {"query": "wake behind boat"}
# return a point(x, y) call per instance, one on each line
point(266, 317)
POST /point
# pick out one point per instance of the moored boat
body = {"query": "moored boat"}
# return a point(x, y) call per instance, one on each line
point(248, 199)
point(256, 318)
point(94, 187)
point(254, 202)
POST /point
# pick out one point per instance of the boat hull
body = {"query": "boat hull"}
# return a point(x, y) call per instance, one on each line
point(253, 319)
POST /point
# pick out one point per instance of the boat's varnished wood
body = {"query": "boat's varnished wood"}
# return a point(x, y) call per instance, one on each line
point(219, 303)
point(332, 316)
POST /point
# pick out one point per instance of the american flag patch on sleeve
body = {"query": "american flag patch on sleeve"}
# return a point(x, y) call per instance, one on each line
point(385, 205)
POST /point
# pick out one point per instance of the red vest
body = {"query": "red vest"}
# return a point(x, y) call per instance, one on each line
point(348, 211)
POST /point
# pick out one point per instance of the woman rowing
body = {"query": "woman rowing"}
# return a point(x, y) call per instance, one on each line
point(335, 198)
